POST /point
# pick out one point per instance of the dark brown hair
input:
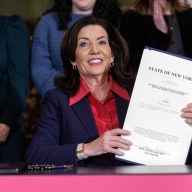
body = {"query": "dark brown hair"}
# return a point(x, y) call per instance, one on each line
point(69, 82)
point(146, 6)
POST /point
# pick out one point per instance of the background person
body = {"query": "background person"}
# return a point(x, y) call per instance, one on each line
point(161, 24)
point(14, 77)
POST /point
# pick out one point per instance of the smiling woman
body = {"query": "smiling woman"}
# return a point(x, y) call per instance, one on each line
point(81, 120)
point(93, 59)
point(93, 49)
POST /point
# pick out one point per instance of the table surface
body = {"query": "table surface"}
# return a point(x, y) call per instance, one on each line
point(122, 170)
point(21, 169)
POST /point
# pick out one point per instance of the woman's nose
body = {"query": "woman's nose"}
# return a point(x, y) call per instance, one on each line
point(94, 49)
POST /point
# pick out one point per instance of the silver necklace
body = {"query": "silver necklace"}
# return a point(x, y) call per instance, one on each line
point(102, 101)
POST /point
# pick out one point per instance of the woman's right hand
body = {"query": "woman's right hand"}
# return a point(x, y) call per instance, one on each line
point(158, 17)
point(108, 143)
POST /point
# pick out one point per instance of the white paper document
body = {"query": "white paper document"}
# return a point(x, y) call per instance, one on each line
point(163, 87)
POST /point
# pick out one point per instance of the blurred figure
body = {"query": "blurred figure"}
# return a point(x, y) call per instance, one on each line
point(161, 24)
point(14, 77)
point(46, 59)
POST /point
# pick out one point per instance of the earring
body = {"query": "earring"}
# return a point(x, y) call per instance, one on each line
point(74, 67)
point(112, 64)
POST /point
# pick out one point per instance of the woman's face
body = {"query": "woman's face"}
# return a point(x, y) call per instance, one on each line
point(93, 52)
point(83, 6)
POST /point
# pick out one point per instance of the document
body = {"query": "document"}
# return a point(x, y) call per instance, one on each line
point(162, 88)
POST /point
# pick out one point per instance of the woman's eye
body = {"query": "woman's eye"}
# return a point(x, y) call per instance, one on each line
point(83, 44)
point(102, 42)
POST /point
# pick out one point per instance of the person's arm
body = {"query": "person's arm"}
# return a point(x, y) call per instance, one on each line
point(42, 67)
point(17, 72)
point(47, 145)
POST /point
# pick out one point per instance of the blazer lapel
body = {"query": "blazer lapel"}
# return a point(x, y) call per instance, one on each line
point(122, 106)
point(86, 117)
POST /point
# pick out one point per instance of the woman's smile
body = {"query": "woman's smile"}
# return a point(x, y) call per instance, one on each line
point(95, 61)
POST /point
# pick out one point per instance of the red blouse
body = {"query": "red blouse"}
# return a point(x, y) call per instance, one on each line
point(105, 115)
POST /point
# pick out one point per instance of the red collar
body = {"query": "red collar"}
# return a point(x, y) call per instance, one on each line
point(84, 90)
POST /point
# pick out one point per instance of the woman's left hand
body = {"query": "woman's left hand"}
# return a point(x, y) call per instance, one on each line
point(109, 142)
point(186, 113)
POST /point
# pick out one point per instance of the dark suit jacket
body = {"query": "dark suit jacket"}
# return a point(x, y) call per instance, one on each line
point(139, 31)
point(14, 80)
point(62, 127)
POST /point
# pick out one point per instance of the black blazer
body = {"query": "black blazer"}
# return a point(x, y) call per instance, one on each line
point(139, 31)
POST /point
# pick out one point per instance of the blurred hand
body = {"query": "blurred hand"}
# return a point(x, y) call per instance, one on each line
point(4, 132)
point(186, 113)
point(158, 17)
point(108, 143)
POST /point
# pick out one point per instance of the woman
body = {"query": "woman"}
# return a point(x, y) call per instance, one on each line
point(46, 59)
point(162, 24)
point(14, 74)
point(80, 120)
